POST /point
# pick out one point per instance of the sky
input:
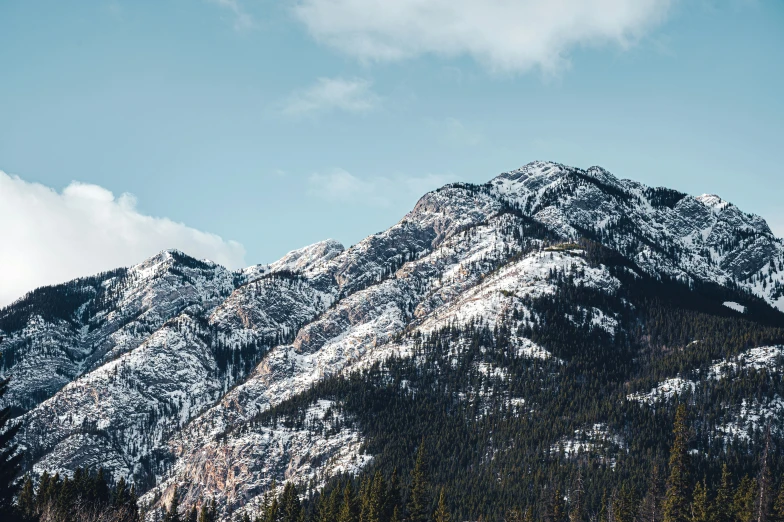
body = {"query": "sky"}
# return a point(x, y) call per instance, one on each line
point(238, 130)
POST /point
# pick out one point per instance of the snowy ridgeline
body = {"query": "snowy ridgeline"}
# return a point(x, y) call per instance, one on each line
point(175, 357)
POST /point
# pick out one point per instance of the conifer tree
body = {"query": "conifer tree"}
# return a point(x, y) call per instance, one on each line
point(624, 505)
point(764, 483)
point(676, 503)
point(348, 508)
point(603, 509)
point(778, 504)
point(26, 500)
point(395, 515)
point(273, 513)
point(650, 509)
point(555, 509)
point(10, 458)
point(743, 502)
point(173, 513)
point(418, 500)
point(290, 503)
point(208, 511)
point(576, 508)
point(700, 508)
point(377, 500)
point(442, 513)
point(722, 505)
point(392, 497)
point(513, 515)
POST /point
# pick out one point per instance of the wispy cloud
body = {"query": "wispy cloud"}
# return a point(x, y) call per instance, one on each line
point(241, 19)
point(329, 94)
point(341, 186)
point(52, 237)
point(504, 35)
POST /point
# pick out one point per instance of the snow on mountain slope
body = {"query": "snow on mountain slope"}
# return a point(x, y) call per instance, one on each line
point(128, 408)
point(54, 334)
point(665, 232)
point(163, 366)
point(358, 331)
point(743, 417)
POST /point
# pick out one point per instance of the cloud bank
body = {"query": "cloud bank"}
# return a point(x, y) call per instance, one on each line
point(505, 35)
point(49, 237)
point(328, 94)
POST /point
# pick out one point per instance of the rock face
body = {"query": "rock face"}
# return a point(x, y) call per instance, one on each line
point(159, 371)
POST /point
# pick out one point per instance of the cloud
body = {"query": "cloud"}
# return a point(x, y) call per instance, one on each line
point(505, 35)
point(49, 237)
point(340, 186)
point(242, 20)
point(327, 94)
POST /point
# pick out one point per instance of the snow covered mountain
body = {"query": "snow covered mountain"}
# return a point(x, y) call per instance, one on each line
point(162, 372)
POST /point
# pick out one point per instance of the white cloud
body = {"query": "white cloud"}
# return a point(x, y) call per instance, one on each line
point(505, 35)
point(351, 95)
point(241, 19)
point(49, 237)
point(340, 186)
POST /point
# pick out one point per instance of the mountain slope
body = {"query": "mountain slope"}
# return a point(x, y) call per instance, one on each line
point(494, 302)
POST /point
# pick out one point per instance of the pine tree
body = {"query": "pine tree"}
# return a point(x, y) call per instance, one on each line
point(676, 504)
point(558, 506)
point(348, 508)
point(743, 502)
point(513, 515)
point(208, 512)
point(418, 500)
point(173, 513)
point(603, 508)
point(377, 498)
point(700, 508)
point(10, 458)
point(778, 504)
point(624, 505)
point(290, 503)
point(442, 513)
point(722, 505)
point(395, 515)
point(650, 509)
point(392, 497)
point(26, 500)
point(576, 508)
point(764, 483)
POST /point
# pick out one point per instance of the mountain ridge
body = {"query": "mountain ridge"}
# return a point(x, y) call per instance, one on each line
point(168, 364)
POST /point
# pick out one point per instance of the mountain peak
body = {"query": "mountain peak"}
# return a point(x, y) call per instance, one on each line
point(535, 169)
point(713, 202)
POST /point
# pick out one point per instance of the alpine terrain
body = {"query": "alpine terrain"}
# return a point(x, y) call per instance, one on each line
point(513, 349)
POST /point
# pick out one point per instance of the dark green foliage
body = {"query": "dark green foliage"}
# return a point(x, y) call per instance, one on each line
point(676, 503)
point(503, 458)
point(85, 496)
point(418, 497)
point(663, 197)
point(10, 458)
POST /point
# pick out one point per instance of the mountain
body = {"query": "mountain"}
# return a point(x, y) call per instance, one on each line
point(552, 290)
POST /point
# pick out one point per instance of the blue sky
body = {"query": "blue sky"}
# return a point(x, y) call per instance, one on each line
point(275, 124)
